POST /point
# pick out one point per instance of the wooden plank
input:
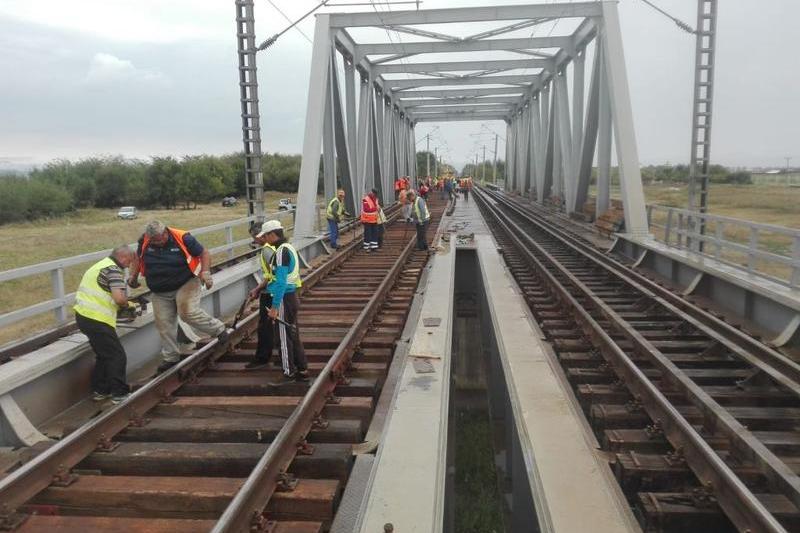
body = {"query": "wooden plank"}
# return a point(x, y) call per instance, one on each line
point(246, 384)
point(102, 524)
point(330, 461)
point(235, 429)
point(359, 407)
point(179, 497)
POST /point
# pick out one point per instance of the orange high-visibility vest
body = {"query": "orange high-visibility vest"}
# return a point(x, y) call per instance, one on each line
point(191, 261)
point(369, 210)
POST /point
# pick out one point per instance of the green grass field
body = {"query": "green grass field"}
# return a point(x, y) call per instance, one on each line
point(777, 205)
point(88, 230)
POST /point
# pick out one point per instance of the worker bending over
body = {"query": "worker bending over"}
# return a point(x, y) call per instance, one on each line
point(420, 215)
point(100, 295)
point(175, 264)
point(369, 219)
point(282, 283)
point(335, 213)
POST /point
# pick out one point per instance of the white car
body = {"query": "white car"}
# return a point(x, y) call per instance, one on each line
point(127, 213)
point(285, 204)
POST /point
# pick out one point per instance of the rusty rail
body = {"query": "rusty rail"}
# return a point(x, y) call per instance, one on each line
point(739, 503)
point(247, 507)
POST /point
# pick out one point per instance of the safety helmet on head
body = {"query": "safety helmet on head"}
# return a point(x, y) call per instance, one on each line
point(269, 226)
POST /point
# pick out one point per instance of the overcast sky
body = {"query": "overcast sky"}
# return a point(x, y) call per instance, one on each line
point(153, 77)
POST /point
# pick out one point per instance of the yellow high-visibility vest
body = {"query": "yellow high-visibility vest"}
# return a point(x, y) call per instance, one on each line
point(265, 268)
point(91, 301)
point(335, 214)
point(294, 276)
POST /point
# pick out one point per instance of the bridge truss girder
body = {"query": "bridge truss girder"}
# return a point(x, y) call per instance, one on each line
point(559, 120)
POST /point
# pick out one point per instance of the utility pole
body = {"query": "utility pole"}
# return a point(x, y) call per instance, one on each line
point(705, 38)
point(483, 168)
point(428, 147)
point(494, 177)
point(436, 161)
point(788, 180)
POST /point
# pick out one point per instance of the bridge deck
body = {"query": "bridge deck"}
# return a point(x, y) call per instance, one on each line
point(560, 455)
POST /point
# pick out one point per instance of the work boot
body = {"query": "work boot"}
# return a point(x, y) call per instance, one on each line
point(301, 376)
point(256, 364)
point(119, 399)
point(285, 379)
point(100, 397)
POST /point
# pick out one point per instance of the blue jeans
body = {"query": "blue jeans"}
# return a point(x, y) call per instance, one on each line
point(333, 232)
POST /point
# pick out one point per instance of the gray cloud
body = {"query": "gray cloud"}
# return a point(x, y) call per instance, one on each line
point(67, 93)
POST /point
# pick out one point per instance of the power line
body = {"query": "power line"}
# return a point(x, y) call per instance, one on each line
point(678, 22)
point(290, 21)
point(269, 42)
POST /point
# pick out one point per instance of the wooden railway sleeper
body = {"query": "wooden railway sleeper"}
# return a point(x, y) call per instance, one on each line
point(11, 520)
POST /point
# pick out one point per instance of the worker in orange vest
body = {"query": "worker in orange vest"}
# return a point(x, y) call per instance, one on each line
point(369, 219)
point(399, 185)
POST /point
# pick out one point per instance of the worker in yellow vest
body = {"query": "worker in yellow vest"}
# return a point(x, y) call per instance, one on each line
point(100, 295)
point(282, 283)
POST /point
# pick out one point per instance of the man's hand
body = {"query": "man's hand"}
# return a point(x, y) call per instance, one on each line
point(133, 282)
point(253, 294)
point(273, 312)
point(207, 280)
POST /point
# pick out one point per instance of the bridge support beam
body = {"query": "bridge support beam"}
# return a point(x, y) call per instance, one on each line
point(552, 139)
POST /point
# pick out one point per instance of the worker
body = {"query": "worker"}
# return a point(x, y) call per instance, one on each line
point(399, 185)
point(423, 190)
point(284, 281)
point(175, 265)
point(404, 205)
point(421, 216)
point(335, 214)
point(466, 188)
point(100, 295)
point(369, 219)
point(266, 326)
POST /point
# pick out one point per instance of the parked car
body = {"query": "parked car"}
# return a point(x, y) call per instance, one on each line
point(127, 213)
point(229, 201)
point(286, 204)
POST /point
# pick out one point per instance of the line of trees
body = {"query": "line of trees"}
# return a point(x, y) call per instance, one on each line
point(680, 174)
point(62, 185)
point(485, 169)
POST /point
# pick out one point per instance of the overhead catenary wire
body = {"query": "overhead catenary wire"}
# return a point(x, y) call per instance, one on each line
point(269, 42)
point(678, 22)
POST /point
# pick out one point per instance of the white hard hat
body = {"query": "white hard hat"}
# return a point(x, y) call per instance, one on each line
point(268, 226)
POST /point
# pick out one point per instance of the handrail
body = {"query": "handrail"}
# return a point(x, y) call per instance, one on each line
point(61, 299)
point(680, 230)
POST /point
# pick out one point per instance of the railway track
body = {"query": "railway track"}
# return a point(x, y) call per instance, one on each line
point(38, 340)
point(209, 446)
point(702, 422)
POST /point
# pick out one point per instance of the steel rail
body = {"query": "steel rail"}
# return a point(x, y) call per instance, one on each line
point(741, 506)
point(773, 363)
point(247, 507)
point(57, 461)
point(745, 444)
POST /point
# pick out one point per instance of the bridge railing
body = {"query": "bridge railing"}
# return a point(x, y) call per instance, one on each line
point(63, 272)
point(765, 249)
